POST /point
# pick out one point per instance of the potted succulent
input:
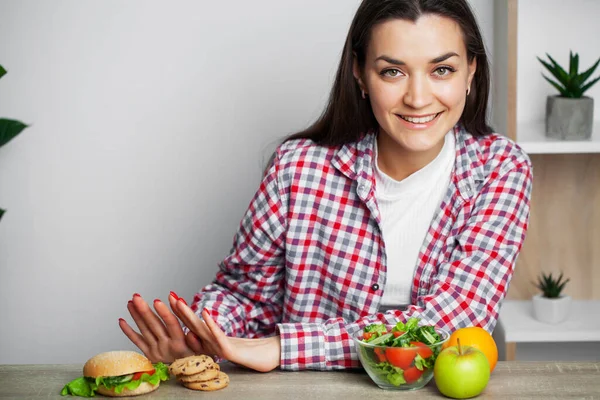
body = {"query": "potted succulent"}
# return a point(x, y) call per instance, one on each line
point(9, 128)
point(550, 306)
point(569, 115)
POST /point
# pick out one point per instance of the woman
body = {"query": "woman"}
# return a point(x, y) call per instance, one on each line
point(399, 201)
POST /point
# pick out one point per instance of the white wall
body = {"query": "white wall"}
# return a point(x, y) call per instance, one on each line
point(151, 122)
point(554, 27)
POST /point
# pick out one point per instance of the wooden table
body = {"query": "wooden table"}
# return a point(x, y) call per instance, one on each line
point(516, 324)
point(510, 380)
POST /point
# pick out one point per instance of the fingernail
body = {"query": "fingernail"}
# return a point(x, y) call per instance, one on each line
point(155, 300)
point(182, 300)
point(174, 295)
point(121, 320)
point(206, 311)
point(136, 295)
point(129, 302)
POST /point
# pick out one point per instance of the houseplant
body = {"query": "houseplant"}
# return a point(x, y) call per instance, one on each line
point(569, 115)
point(9, 128)
point(551, 306)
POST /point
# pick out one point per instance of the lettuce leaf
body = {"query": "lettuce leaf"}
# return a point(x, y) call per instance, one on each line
point(87, 387)
point(84, 387)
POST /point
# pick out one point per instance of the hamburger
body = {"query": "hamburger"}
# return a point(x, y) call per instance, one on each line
point(118, 374)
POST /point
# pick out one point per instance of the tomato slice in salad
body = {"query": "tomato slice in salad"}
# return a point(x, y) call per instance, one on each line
point(138, 375)
point(398, 333)
point(422, 349)
point(412, 374)
point(380, 354)
point(401, 357)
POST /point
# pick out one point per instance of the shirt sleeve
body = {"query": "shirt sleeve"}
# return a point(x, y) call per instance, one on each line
point(246, 296)
point(466, 291)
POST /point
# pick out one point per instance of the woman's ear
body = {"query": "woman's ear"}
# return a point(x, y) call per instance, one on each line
point(472, 69)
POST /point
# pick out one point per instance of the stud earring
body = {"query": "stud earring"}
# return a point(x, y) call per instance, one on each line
point(469, 90)
point(364, 96)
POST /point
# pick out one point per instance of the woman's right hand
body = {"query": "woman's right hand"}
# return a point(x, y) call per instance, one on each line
point(160, 337)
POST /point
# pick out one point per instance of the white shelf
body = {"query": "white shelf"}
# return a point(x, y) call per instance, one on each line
point(532, 138)
point(582, 325)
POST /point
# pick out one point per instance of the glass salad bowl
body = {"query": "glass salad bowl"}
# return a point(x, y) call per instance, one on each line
point(400, 357)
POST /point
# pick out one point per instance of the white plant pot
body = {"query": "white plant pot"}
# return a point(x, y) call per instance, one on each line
point(551, 311)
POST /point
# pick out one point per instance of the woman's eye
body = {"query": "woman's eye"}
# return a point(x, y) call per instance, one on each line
point(443, 71)
point(391, 73)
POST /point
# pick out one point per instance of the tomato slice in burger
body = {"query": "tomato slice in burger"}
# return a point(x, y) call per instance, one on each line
point(138, 375)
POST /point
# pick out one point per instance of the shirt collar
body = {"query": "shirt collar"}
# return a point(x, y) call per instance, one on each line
point(355, 160)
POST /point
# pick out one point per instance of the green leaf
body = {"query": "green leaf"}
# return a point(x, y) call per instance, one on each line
point(589, 85)
point(427, 335)
point(2, 71)
point(574, 64)
point(162, 371)
point(412, 323)
point(376, 328)
point(553, 70)
point(562, 73)
point(82, 386)
point(381, 339)
point(9, 129)
point(396, 378)
point(586, 74)
point(563, 92)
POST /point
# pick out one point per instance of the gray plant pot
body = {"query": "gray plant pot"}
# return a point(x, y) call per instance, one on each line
point(569, 119)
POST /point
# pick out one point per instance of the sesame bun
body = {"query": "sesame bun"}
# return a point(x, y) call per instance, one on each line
point(116, 363)
point(145, 387)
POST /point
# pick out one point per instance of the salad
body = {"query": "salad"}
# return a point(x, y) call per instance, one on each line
point(403, 355)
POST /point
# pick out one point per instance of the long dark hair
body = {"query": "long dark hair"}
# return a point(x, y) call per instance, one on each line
point(347, 116)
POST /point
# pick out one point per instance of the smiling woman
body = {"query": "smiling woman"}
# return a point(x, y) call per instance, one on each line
point(418, 94)
point(398, 202)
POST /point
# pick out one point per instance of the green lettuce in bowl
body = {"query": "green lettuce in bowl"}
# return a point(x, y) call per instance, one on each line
point(400, 357)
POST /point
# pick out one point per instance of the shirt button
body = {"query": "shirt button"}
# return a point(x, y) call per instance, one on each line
point(375, 287)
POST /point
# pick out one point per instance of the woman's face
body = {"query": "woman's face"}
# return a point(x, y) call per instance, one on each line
point(416, 75)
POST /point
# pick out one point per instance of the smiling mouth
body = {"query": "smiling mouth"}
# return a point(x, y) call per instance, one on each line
point(419, 120)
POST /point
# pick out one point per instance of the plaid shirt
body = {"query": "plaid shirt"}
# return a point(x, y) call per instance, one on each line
point(308, 261)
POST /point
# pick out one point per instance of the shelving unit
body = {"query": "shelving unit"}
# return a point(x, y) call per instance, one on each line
point(532, 138)
point(564, 224)
point(516, 324)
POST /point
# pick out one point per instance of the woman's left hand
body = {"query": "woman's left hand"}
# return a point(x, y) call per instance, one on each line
point(161, 337)
point(262, 354)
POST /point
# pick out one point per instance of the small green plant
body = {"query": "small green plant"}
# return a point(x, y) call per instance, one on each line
point(571, 84)
point(9, 128)
point(551, 287)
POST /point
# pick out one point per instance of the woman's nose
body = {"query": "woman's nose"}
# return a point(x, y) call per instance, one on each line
point(418, 94)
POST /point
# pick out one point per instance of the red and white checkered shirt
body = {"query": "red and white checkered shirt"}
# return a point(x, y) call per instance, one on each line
point(308, 261)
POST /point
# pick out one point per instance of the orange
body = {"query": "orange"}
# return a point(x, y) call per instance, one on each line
point(478, 338)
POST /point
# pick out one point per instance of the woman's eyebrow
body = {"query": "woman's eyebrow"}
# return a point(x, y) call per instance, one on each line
point(436, 60)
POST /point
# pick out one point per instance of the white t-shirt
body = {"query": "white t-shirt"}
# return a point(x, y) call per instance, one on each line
point(407, 208)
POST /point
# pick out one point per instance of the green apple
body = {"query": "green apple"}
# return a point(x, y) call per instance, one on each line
point(461, 372)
